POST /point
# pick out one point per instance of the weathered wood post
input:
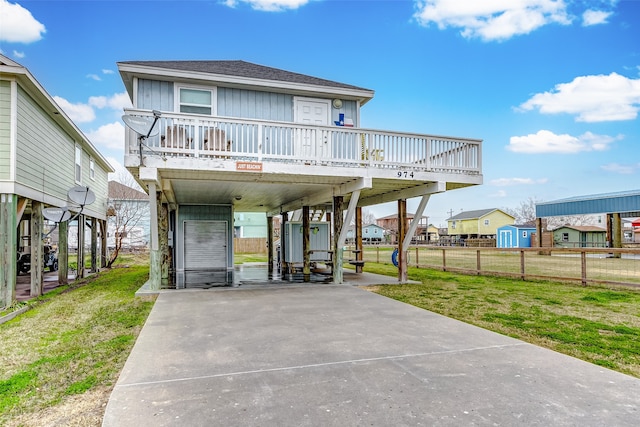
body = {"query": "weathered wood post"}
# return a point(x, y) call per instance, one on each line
point(37, 259)
point(337, 250)
point(402, 230)
point(80, 251)
point(63, 253)
point(104, 253)
point(270, 244)
point(8, 244)
point(306, 246)
point(358, 230)
point(94, 245)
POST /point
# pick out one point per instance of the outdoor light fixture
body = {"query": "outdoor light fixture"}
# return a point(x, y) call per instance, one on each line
point(337, 103)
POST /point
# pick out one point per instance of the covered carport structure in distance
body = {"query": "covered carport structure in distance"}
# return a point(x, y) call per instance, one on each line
point(616, 205)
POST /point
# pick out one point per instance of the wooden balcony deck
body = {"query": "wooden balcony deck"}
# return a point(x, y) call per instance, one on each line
point(194, 148)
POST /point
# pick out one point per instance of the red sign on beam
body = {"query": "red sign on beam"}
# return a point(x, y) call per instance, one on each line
point(249, 166)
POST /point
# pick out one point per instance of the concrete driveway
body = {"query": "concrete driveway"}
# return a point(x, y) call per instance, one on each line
point(326, 355)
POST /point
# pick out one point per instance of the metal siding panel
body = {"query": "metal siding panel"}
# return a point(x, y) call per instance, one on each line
point(202, 213)
point(205, 245)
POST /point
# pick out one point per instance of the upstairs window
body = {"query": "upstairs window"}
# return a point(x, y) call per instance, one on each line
point(78, 172)
point(196, 101)
point(486, 222)
point(92, 169)
point(453, 224)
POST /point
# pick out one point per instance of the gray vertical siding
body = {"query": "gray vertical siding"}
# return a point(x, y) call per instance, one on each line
point(155, 94)
point(202, 213)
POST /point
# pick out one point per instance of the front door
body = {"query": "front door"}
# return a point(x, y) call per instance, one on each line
point(312, 143)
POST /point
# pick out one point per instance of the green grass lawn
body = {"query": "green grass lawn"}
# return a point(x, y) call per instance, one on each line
point(60, 360)
point(597, 324)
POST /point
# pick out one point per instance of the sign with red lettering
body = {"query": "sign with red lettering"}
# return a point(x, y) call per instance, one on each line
point(249, 166)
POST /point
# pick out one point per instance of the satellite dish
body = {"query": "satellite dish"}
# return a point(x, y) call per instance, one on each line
point(81, 195)
point(144, 126)
point(56, 214)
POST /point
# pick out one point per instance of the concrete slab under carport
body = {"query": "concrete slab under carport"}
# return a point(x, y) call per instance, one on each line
point(336, 355)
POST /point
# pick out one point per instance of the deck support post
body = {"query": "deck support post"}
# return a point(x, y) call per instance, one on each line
point(155, 273)
point(306, 245)
point(37, 260)
point(358, 230)
point(270, 244)
point(8, 245)
point(80, 251)
point(103, 244)
point(337, 248)
point(163, 243)
point(283, 242)
point(402, 253)
point(63, 252)
point(94, 245)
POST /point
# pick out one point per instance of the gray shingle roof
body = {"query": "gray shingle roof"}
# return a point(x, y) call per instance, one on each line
point(243, 69)
point(472, 214)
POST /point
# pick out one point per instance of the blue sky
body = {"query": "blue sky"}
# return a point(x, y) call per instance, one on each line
point(552, 87)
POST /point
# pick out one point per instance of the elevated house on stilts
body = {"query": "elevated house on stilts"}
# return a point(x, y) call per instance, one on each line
point(229, 136)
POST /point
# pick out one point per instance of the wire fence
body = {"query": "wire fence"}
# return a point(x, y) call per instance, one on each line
point(586, 265)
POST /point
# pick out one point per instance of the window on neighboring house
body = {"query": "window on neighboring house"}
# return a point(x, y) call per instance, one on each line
point(196, 101)
point(524, 233)
point(565, 237)
point(486, 222)
point(92, 169)
point(453, 224)
point(78, 175)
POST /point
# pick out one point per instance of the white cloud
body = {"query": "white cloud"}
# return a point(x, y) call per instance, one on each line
point(506, 182)
point(595, 17)
point(548, 142)
point(109, 136)
point(105, 71)
point(118, 101)
point(500, 194)
point(596, 98)
point(79, 113)
point(94, 77)
point(621, 169)
point(269, 5)
point(18, 24)
point(18, 55)
point(491, 20)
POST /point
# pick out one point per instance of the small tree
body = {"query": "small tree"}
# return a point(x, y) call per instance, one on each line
point(128, 207)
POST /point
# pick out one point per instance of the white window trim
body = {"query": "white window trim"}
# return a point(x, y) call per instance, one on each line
point(214, 97)
point(92, 169)
point(77, 179)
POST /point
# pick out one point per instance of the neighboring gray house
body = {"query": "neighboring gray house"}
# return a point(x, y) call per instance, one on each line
point(232, 136)
point(43, 155)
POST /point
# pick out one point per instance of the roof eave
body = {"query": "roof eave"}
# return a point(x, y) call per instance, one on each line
point(128, 71)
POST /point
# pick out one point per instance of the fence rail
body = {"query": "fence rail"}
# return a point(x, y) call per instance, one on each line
point(585, 265)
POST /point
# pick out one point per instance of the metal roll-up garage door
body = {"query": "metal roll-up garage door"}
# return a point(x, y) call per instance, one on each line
point(205, 245)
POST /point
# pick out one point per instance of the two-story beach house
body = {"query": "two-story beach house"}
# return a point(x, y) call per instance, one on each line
point(481, 223)
point(229, 136)
point(43, 155)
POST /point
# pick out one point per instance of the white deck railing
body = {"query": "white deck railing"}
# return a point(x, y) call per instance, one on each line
point(188, 135)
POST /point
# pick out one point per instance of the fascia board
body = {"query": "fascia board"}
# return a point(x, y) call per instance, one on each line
point(235, 81)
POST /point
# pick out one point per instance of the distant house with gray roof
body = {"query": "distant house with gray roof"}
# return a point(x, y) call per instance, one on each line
point(482, 223)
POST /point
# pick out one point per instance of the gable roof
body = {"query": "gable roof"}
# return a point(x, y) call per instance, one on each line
point(475, 214)
point(238, 72)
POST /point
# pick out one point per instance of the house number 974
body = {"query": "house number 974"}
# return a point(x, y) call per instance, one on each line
point(405, 174)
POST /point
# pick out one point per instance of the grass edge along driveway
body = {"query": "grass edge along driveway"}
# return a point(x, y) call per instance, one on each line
point(60, 360)
point(597, 324)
